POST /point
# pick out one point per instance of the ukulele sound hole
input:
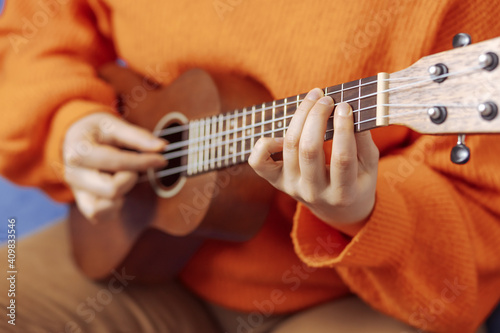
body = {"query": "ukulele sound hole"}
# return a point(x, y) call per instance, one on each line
point(175, 162)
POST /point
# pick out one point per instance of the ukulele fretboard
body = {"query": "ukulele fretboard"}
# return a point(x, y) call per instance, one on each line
point(227, 139)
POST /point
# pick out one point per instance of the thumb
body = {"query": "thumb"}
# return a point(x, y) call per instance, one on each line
point(261, 159)
point(97, 209)
point(368, 153)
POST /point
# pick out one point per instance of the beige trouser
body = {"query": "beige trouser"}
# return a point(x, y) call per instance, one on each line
point(53, 296)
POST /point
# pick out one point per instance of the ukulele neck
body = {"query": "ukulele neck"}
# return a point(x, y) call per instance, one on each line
point(227, 139)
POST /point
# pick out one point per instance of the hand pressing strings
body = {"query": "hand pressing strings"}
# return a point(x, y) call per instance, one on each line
point(342, 192)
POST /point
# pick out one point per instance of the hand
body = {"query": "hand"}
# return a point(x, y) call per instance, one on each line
point(98, 172)
point(341, 193)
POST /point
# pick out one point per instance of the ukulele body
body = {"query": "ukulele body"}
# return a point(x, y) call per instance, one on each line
point(156, 234)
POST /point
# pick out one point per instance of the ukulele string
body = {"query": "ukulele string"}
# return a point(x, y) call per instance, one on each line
point(230, 116)
point(185, 152)
point(183, 168)
point(186, 143)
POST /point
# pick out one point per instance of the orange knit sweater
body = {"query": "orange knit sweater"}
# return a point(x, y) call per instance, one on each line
point(430, 252)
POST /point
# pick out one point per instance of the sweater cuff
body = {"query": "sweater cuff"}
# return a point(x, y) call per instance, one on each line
point(383, 241)
point(66, 116)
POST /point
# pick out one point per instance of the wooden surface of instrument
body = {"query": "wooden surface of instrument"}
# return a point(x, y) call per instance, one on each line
point(148, 237)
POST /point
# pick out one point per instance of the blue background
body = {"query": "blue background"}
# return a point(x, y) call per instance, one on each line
point(31, 208)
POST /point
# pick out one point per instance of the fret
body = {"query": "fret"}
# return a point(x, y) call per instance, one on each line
point(285, 102)
point(220, 138)
point(274, 117)
point(253, 126)
point(190, 147)
point(234, 129)
point(206, 154)
point(340, 93)
point(368, 105)
point(278, 118)
point(193, 142)
point(213, 141)
point(247, 142)
point(239, 135)
point(197, 148)
point(291, 105)
point(262, 120)
point(242, 141)
point(296, 106)
point(243, 134)
point(227, 130)
point(351, 96)
point(201, 149)
point(268, 116)
point(249, 131)
point(358, 125)
point(335, 93)
point(291, 108)
point(258, 124)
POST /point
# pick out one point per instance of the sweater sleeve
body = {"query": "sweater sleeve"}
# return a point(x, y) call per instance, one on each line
point(429, 254)
point(48, 57)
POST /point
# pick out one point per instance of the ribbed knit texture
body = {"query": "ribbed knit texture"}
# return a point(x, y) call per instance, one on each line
point(429, 254)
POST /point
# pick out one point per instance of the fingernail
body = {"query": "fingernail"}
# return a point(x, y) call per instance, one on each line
point(161, 163)
point(344, 110)
point(157, 143)
point(314, 94)
point(326, 101)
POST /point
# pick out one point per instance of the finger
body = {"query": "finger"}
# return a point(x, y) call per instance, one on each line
point(121, 78)
point(294, 131)
point(86, 203)
point(96, 209)
point(124, 181)
point(368, 154)
point(261, 161)
point(120, 133)
point(108, 158)
point(311, 153)
point(343, 169)
point(102, 184)
point(107, 209)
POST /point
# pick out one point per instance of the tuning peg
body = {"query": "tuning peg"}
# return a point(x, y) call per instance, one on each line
point(460, 154)
point(461, 40)
point(488, 61)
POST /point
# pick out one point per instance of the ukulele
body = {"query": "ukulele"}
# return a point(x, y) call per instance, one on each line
point(208, 191)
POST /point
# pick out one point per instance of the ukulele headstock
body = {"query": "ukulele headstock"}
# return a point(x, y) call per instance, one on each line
point(456, 91)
